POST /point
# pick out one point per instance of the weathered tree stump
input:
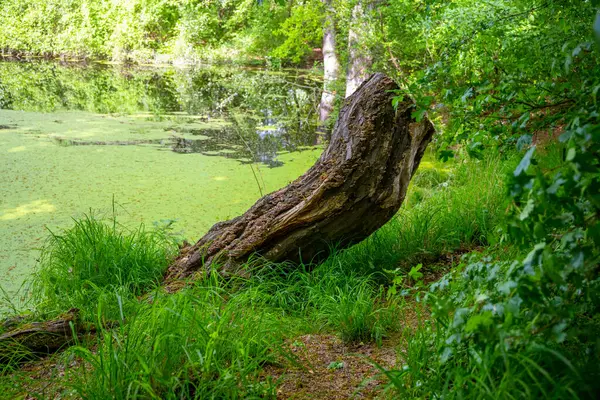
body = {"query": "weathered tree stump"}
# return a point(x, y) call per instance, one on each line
point(355, 187)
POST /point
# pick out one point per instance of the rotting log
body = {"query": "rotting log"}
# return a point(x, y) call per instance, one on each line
point(356, 186)
point(39, 338)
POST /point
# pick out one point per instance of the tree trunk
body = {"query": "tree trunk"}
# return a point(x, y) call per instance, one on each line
point(359, 60)
point(331, 66)
point(356, 186)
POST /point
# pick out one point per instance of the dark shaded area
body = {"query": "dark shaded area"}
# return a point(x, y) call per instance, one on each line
point(38, 338)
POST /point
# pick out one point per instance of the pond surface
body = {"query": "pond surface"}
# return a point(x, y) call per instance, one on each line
point(193, 145)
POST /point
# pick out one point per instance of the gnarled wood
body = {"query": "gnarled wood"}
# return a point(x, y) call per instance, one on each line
point(355, 187)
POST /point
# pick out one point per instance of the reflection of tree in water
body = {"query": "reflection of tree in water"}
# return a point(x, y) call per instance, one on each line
point(210, 148)
point(247, 140)
point(269, 112)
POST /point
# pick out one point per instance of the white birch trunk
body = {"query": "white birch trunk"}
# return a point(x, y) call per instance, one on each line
point(331, 65)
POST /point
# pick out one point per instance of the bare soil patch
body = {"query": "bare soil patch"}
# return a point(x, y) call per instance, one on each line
point(326, 368)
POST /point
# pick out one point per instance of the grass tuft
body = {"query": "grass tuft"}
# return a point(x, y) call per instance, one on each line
point(194, 344)
point(80, 264)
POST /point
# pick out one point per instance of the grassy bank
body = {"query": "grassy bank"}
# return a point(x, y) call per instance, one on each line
point(238, 338)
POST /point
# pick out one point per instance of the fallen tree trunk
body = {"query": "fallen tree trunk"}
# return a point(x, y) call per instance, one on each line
point(355, 187)
point(39, 338)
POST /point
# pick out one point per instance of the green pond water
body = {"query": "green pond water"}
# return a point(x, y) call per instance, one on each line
point(193, 145)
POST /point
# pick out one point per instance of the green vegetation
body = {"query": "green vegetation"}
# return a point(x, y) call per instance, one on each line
point(93, 257)
point(520, 74)
point(157, 30)
point(485, 283)
point(189, 345)
point(71, 138)
point(454, 209)
point(214, 337)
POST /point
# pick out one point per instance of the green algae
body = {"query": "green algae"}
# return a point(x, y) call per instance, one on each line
point(44, 185)
point(88, 126)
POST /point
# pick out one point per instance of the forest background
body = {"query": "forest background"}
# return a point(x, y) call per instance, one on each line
point(499, 78)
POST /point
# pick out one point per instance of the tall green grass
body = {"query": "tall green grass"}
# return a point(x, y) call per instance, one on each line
point(330, 298)
point(211, 340)
point(208, 341)
point(200, 343)
point(79, 265)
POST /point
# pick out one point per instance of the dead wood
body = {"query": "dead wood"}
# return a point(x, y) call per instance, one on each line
point(356, 186)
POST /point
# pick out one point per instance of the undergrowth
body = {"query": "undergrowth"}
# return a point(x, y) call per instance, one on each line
point(457, 209)
point(198, 343)
point(524, 325)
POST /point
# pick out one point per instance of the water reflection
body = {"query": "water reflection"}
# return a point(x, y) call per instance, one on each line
point(248, 115)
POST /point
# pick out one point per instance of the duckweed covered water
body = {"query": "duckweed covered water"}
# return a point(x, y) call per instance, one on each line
point(197, 146)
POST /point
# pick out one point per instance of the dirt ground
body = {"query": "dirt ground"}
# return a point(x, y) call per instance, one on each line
point(326, 368)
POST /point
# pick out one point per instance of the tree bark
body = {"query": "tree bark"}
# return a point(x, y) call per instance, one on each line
point(39, 338)
point(359, 60)
point(331, 66)
point(355, 187)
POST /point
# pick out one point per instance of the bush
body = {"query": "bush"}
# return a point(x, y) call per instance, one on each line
point(525, 327)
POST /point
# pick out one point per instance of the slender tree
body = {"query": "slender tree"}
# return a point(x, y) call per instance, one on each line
point(331, 65)
point(359, 59)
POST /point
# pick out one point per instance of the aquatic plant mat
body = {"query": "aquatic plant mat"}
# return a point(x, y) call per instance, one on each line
point(197, 145)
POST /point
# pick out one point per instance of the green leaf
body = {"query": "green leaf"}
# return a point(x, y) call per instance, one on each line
point(414, 273)
point(335, 365)
point(392, 291)
point(397, 100)
point(477, 322)
point(527, 210)
point(539, 231)
point(419, 114)
point(426, 101)
point(525, 162)
point(597, 29)
point(468, 93)
point(523, 141)
point(445, 155)
point(595, 94)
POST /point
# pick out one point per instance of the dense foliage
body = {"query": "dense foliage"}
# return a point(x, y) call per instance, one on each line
point(503, 75)
point(147, 29)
